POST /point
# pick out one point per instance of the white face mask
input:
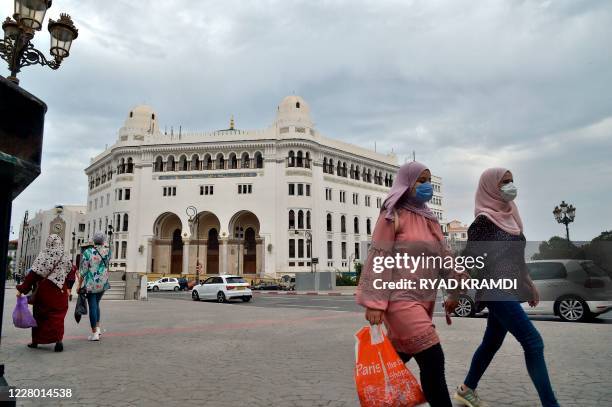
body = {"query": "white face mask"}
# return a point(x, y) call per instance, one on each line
point(508, 192)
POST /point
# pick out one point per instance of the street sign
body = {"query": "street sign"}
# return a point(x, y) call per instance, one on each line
point(315, 260)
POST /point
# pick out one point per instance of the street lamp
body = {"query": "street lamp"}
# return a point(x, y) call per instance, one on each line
point(16, 47)
point(73, 246)
point(565, 214)
point(309, 244)
point(192, 212)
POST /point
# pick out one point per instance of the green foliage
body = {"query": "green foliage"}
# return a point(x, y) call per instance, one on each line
point(599, 250)
point(558, 248)
point(343, 279)
point(358, 268)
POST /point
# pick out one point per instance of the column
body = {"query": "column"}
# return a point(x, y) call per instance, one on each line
point(186, 257)
point(149, 255)
point(223, 256)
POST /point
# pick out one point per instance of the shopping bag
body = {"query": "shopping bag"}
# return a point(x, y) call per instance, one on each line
point(22, 317)
point(81, 306)
point(381, 377)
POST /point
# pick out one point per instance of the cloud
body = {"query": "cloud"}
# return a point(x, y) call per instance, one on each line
point(465, 85)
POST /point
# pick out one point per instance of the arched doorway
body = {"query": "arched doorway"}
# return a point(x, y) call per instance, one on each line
point(249, 252)
point(176, 265)
point(167, 250)
point(212, 252)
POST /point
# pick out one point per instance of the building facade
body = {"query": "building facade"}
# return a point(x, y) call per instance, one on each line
point(266, 202)
point(66, 221)
point(12, 257)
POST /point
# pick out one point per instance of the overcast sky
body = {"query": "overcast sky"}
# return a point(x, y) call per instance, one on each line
point(466, 84)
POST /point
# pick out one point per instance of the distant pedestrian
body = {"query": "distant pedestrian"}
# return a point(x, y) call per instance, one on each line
point(94, 276)
point(50, 293)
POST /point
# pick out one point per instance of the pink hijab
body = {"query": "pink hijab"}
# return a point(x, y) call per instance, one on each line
point(407, 176)
point(489, 203)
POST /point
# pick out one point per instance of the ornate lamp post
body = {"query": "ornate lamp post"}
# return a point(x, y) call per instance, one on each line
point(565, 214)
point(17, 49)
point(194, 219)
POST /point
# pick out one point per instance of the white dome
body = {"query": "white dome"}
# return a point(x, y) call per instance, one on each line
point(142, 117)
point(293, 111)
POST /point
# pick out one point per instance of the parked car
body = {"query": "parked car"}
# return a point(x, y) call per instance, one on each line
point(267, 286)
point(164, 284)
point(573, 290)
point(222, 288)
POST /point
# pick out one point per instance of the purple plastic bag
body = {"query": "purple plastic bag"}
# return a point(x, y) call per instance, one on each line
point(22, 317)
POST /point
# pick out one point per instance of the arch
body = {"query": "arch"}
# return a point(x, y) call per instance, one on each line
point(300, 219)
point(195, 163)
point(245, 241)
point(130, 165)
point(308, 220)
point(291, 159)
point(245, 161)
point(232, 161)
point(291, 219)
point(212, 252)
point(339, 168)
point(158, 166)
point(330, 225)
point(299, 159)
point(250, 252)
point(220, 161)
point(357, 173)
point(167, 250)
point(352, 172)
point(344, 169)
point(121, 166)
point(324, 164)
point(176, 264)
point(369, 226)
point(356, 225)
point(259, 162)
point(342, 224)
point(125, 222)
point(182, 164)
point(369, 175)
point(170, 163)
point(330, 169)
point(207, 162)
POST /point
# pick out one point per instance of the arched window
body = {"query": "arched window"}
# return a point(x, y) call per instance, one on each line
point(232, 161)
point(258, 160)
point(369, 175)
point(307, 160)
point(300, 159)
point(369, 226)
point(330, 168)
point(339, 169)
point(125, 222)
point(183, 163)
point(118, 224)
point(207, 162)
point(297, 105)
point(130, 166)
point(121, 166)
point(291, 159)
point(324, 164)
point(103, 178)
point(246, 161)
point(300, 219)
point(329, 222)
point(220, 162)
point(357, 173)
point(343, 224)
point(170, 164)
point(344, 170)
point(386, 180)
point(356, 225)
point(390, 180)
point(308, 220)
point(291, 219)
point(195, 163)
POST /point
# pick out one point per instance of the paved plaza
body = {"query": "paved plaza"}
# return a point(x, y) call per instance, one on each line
point(290, 351)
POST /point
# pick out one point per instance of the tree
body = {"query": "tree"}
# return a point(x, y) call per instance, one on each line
point(558, 248)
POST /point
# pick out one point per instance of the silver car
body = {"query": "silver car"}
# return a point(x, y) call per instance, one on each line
point(573, 290)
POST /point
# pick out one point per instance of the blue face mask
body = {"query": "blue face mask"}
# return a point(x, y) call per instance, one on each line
point(424, 192)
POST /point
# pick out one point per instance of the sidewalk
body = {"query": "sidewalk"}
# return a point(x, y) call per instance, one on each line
point(344, 291)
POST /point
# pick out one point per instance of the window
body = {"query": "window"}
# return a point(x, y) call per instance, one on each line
point(245, 188)
point(107, 199)
point(343, 196)
point(307, 189)
point(127, 194)
point(343, 224)
point(300, 248)
point(292, 248)
point(355, 199)
point(81, 227)
point(206, 190)
point(300, 189)
point(96, 203)
point(329, 222)
point(343, 250)
point(308, 220)
point(546, 271)
point(369, 226)
point(291, 189)
point(291, 219)
point(378, 202)
point(169, 191)
point(357, 257)
point(330, 251)
point(125, 222)
point(356, 225)
point(328, 194)
point(300, 219)
point(123, 249)
point(367, 201)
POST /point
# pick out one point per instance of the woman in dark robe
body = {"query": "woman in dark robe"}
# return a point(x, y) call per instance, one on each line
point(49, 273)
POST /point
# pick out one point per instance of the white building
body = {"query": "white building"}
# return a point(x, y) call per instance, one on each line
point(66, 221)
point(260, 196)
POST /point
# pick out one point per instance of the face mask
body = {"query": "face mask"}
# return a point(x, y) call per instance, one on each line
point(424, 192)
point(508, 192)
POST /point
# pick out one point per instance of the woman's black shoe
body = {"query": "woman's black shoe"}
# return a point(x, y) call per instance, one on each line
point(32, 345)
point(59, 347)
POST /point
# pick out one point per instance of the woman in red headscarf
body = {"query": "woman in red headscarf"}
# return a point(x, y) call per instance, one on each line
point(498, 232)
point(406, 225)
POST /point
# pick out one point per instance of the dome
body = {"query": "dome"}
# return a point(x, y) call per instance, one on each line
point(293, 111)
point(142, 117)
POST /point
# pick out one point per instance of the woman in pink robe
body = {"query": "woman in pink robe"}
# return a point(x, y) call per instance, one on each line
point(407, 226)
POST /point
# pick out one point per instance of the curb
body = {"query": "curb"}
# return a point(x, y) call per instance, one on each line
point(329, 293)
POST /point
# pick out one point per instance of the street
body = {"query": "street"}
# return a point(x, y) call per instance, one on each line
point(274, 351)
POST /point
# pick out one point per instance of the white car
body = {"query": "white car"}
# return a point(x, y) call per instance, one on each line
point(222, 288)
point(164, 284)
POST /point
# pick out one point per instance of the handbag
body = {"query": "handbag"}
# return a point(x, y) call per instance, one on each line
point(32, 297)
